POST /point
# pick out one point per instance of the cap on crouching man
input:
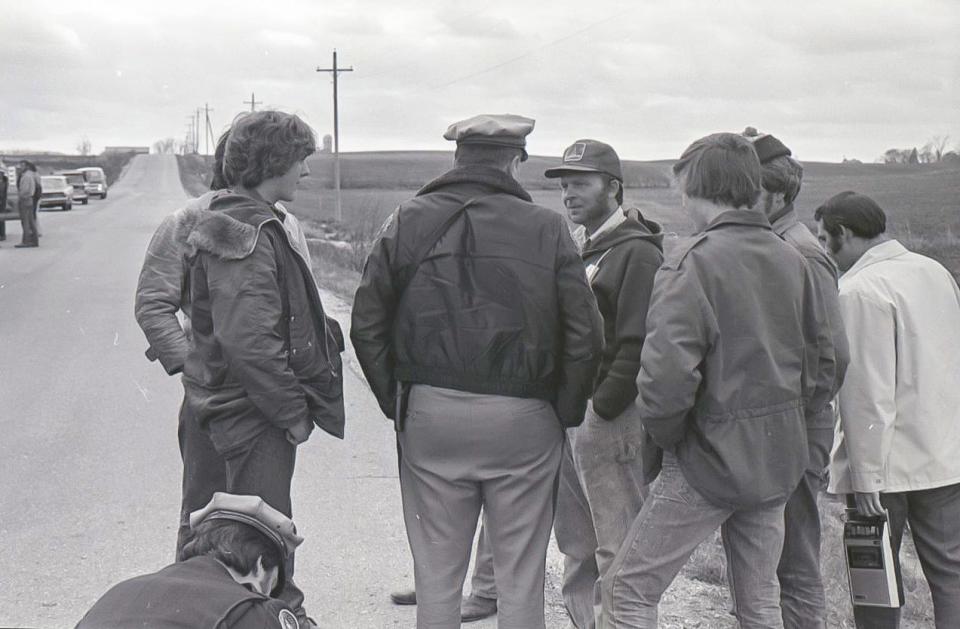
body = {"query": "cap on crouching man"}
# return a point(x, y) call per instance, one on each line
point(253, 511)
point(493, 129)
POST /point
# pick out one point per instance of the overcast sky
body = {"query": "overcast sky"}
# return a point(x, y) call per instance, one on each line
point(831, 78)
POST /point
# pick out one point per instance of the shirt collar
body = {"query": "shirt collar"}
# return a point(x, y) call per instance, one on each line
point(612, 222)
point(580, 236)
point(878, 253)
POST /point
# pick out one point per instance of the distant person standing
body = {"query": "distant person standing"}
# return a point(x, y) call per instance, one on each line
point(480, 338)
point(601, 477)
point(727, 369)
point(897, 451)
point(802, 597)
point(4, 189)
point(28, 187)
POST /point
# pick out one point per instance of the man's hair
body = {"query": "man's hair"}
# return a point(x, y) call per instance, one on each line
point(498, 157)
point(722, 168)
point(265, 144)
point(610, 181)
point(219, 181)
point(782, 175)
point(234, 544)
point(856, 212)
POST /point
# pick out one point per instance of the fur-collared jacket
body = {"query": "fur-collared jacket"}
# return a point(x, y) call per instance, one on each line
point(263, 352)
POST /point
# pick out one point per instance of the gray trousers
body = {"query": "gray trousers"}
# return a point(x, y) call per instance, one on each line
point(601, 493)
point(483, 582)
point(460, 452)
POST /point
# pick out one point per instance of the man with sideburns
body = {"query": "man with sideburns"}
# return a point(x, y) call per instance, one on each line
point(601, 476)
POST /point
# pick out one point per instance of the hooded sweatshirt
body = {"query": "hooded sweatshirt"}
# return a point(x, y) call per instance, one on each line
point(621, 264)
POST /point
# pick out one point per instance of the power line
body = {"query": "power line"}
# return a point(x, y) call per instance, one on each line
point(532, 51)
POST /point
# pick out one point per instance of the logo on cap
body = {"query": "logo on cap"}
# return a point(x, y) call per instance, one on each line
point(575, 152)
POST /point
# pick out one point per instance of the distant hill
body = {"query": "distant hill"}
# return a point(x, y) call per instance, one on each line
point(391, 170)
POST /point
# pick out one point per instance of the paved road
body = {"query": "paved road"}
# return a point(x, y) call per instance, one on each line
point(89, 487)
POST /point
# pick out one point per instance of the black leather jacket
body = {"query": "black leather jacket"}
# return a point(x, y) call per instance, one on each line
point(500, 304)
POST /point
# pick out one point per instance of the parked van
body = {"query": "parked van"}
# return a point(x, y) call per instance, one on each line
point(96, 181)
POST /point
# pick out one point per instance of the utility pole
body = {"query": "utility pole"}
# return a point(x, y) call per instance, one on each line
point(336, 131)
point(208, 130)
point(253, 102)
point(191, 134)
point(196, 137)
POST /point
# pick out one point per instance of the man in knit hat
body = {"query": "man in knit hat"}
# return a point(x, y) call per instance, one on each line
point(802, 599)
point(480, 337)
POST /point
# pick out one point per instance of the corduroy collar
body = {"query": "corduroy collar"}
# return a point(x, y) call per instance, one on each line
point(749, 218)
point(484, 175)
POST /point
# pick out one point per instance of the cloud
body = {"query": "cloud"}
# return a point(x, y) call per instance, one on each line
point(839, 78)
point(285, 39)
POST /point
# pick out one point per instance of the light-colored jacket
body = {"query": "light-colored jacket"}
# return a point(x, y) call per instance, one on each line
point(900, 403)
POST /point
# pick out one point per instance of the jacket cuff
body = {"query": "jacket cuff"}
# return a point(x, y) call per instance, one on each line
point(613, 396)
point(172, 365)
point(866, 482)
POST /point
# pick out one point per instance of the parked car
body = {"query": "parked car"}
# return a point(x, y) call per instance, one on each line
point(96, 181)
point(57, 191)
point(76, 179)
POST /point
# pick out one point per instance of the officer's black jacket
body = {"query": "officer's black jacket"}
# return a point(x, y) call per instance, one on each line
point(499, 305)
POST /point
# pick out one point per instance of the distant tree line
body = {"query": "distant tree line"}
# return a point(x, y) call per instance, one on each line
point(932, 152)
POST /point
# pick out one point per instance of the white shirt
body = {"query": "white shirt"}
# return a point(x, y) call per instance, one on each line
point(580, 235)
point(899, 406)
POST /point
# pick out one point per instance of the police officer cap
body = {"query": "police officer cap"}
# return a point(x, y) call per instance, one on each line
point(492, 129)
point(253, 511)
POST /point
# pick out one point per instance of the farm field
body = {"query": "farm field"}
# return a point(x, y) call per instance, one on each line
point(922, 201)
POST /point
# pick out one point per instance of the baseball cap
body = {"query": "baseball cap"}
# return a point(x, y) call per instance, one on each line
point(588, 156)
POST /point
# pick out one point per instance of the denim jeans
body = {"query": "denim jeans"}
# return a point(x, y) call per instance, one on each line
point(674, 520)
point(460, 452)
point(204, 471)
point(934, 517)
point(600, 494)
point(264, 467)
point(802, 600)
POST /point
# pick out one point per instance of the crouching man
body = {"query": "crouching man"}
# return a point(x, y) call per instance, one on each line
point(231, 568)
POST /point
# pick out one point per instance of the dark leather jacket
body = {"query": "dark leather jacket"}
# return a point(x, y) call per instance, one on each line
point(499, 305)
point(198, 592)
point(263, 352)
